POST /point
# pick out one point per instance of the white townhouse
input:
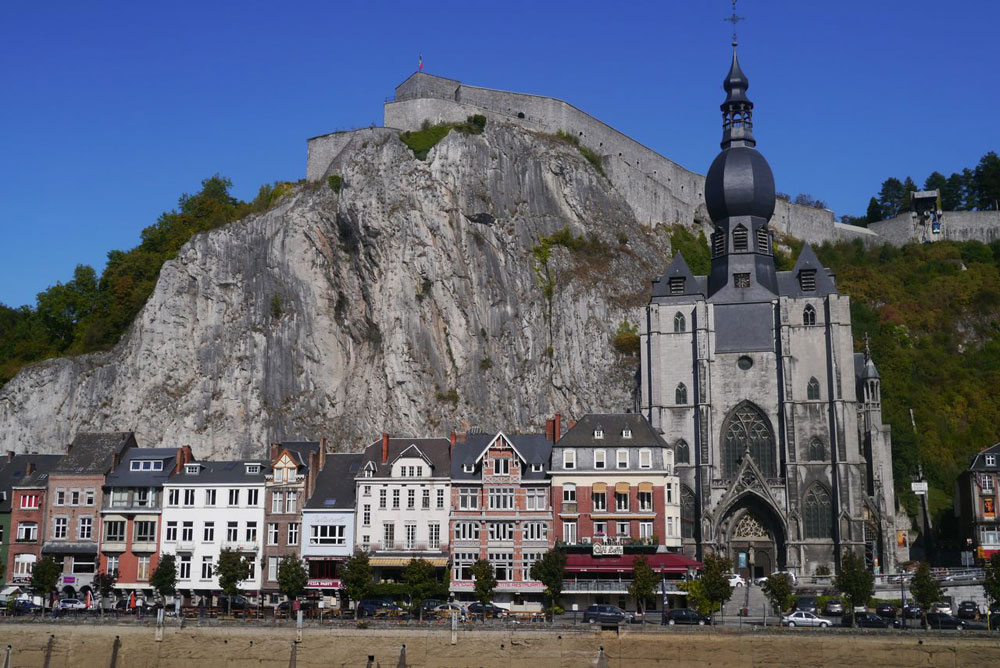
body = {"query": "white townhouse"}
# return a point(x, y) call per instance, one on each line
point(403, 498)
point(328, 526)
point(207, 507)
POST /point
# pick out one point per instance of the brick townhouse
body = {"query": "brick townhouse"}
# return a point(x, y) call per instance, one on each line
point(29, 481)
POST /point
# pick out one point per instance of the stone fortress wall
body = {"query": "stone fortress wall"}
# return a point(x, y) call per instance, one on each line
point(955, 226)
point(659, 190)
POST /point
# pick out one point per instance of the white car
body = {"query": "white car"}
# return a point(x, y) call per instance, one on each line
point(736, 580)
point(801, 618)
point(72, 604)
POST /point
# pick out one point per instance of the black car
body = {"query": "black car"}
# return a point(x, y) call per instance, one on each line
point(377, 607)
point(913, 611)
point(968, 610)
point(285, 606)
point(806, 604)
point(23, 606)
point(239, 602)
point(430, 605)
point(864, 620)
point(886, 611)
point(603, 614)
point(685, 616)
point(939, 620)
point(488, 610)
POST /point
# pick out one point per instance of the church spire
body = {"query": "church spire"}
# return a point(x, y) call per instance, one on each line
point(737, 110)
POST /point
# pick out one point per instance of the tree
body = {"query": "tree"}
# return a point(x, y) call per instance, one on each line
point(874, 213)
point(855, 581)
point(890, 197)
point(986, 182)
point(908, 187)
point(104, 583)
point(715, 580)
point(357, 577)
point(292, 577)
point(991, 579)
point(644, 581)
point(44, 577)
point(936, 181)
point(924, 588)
point(232, 569)
point(550, 570)
point(779, 591)
point(420, 576)
point(486, 582)
point(164, 579)
point(954, 193)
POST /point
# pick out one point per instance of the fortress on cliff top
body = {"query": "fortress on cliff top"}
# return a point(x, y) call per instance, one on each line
point(659, 190)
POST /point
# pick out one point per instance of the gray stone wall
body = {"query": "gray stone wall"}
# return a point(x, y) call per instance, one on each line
point(955, 226)
point(325, 151)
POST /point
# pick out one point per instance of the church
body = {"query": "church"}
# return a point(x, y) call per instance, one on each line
point(751, 375)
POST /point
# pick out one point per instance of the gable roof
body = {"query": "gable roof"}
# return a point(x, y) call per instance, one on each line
point(13, 472)
point(335, 488)
point(94, 452)
point(581, 435)
point(434, 450)
point(678, 268)
point(299, 452)
point(222, 473)
point(978, 462)
point(532, 448)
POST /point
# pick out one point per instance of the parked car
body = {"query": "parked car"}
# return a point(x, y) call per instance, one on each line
point(378, 607)
point(488, 610)
point(23, 606)
point(833, 607)
point(800, 618)
point(864, 620)
point(72, 604)
point(430, 604)
point(886, 611)
point(239, 602)
point(939, 607)
point(286, 606)
point(606, 614)
point(736, 580)
point(806, 604)
point(445, 610)
point(968, 610)
point(940, 620)
point(913, 611)
point(685, 616)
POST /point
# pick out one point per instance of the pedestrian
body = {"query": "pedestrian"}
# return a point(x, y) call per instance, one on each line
point(201, 606)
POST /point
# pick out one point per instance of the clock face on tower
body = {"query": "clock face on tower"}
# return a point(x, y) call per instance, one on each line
point(741, 280)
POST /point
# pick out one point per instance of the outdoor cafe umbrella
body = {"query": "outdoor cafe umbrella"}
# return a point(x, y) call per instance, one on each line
point(131, 601)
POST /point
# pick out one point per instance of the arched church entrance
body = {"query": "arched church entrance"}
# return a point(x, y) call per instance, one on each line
point(754, 536)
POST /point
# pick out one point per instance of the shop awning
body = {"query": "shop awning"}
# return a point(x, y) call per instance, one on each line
point(69, 548)
point(621, 488)
point(439, 562)
point(599, 488)
point(645, 487)
point(7, 591)
point(666, 562)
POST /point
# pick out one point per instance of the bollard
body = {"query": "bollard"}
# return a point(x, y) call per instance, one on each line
point(159, 625)
point(48, 650)
point(298, 627)
point(6, 659)
point(454, 627)
point(294, 657)
point(114, 652)
point(402, 657)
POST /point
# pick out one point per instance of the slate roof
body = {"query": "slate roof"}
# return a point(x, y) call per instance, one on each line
point(581, 435)
point(222, 473)
point(12, 473)
point(93, 452)
point(300, 450)
point(435, 449)
point(123, 476)
point(534, 448)
point(335, 488)
point(678, 268)
point(978, 462)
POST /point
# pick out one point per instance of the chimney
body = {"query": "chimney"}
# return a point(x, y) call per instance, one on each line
point(10, 456)
point(274, 451)
point(178, 461)
point(69, 448)
point(572, 423)
point(30, 468)
point(558, 428)
point(550, 430)
point(322, 452)
point(451, 448)
point(311, 474)
point(385, 447)
point(188, 455)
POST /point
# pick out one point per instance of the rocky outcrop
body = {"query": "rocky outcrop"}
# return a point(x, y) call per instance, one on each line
point(415, 301)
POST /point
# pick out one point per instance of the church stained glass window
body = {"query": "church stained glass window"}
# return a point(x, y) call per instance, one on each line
point(681, 394)
point(687, 512)
point(747, 429)
point(682, 452)
point(809, 315)
point(817, 453)
point(818, 523)
point(812, 390)
point(679, 323)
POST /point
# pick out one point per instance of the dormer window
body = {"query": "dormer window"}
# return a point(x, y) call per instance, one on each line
point(626, 433)
point(253, 469)
point(598, 433)
point(191, 468)
point(740, 238)
point(991, 460)
point(146, 465)
point(536, 468)
point(807, 280)
point(468, 468)
point(676, 285)
point(501, 466)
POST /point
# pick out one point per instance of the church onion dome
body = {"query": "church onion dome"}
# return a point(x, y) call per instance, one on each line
point(739, 182)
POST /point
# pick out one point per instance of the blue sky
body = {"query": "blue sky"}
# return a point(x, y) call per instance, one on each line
point(111, 110)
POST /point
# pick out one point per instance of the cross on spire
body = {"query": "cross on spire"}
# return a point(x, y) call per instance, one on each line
point(734, 19)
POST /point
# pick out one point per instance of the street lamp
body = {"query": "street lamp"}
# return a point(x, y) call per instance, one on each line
point(902, 596)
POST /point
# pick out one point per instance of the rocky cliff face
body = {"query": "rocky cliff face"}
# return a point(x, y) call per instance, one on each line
point(418, 300)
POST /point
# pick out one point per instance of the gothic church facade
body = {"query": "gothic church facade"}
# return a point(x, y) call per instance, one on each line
point(750, 373)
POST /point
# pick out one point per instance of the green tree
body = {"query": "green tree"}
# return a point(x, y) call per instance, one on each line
point(890, 197)
point(715, 580)
point(420, 576)
point(925, 588)
point(550, 570)
point(231, 569)
point(696, 597)
point(908, 187)
point(486, 582)
point(953, 194)
point(292, 577)
point(986, 182)
point(779, 591)
point(357, 577)
point(936, 181)
point(644, 581)
point(854, 581)
point(991, 579)
point(874, 213)
point(44, 577)
point(164, 579)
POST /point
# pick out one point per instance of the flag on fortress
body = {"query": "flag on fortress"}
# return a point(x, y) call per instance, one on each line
point(420, 62)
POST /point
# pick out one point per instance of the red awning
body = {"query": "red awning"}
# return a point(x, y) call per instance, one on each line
point(661, 563)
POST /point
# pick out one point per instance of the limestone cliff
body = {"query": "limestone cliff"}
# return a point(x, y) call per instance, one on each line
point(410, 302)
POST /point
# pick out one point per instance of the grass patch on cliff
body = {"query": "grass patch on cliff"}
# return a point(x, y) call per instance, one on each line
point(423, 140)
point(586, 152)
point(626, 340)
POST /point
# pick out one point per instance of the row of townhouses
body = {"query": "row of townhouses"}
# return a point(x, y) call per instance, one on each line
point(605, 491)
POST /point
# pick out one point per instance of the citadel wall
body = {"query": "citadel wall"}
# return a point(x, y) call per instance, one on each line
point(955, 226)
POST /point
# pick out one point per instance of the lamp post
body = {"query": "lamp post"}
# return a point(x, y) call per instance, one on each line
point(902, 596)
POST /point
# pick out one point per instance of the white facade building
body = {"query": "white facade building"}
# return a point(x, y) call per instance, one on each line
point(207, 507)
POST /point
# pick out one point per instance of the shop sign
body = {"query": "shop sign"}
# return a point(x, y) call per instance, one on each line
point(918, 488)
point(989, 509)
point(599, 550)
point(321, 583)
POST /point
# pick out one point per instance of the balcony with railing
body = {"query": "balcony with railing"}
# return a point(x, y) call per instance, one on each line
point(241, 545)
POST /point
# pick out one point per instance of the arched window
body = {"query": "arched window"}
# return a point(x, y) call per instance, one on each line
point(682, 452)
point(687, 512)
point(812, 389)
point(817, 452)
point(809, 315)
point(679, 323)
point(817, 513)
point(747, 429)
point(740, 238)
point(681, 394)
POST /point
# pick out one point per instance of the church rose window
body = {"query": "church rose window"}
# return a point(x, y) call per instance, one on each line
point(817, 513)
point(683, 452)
point(744, 362)
point(679, 323)
point(746, 429)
